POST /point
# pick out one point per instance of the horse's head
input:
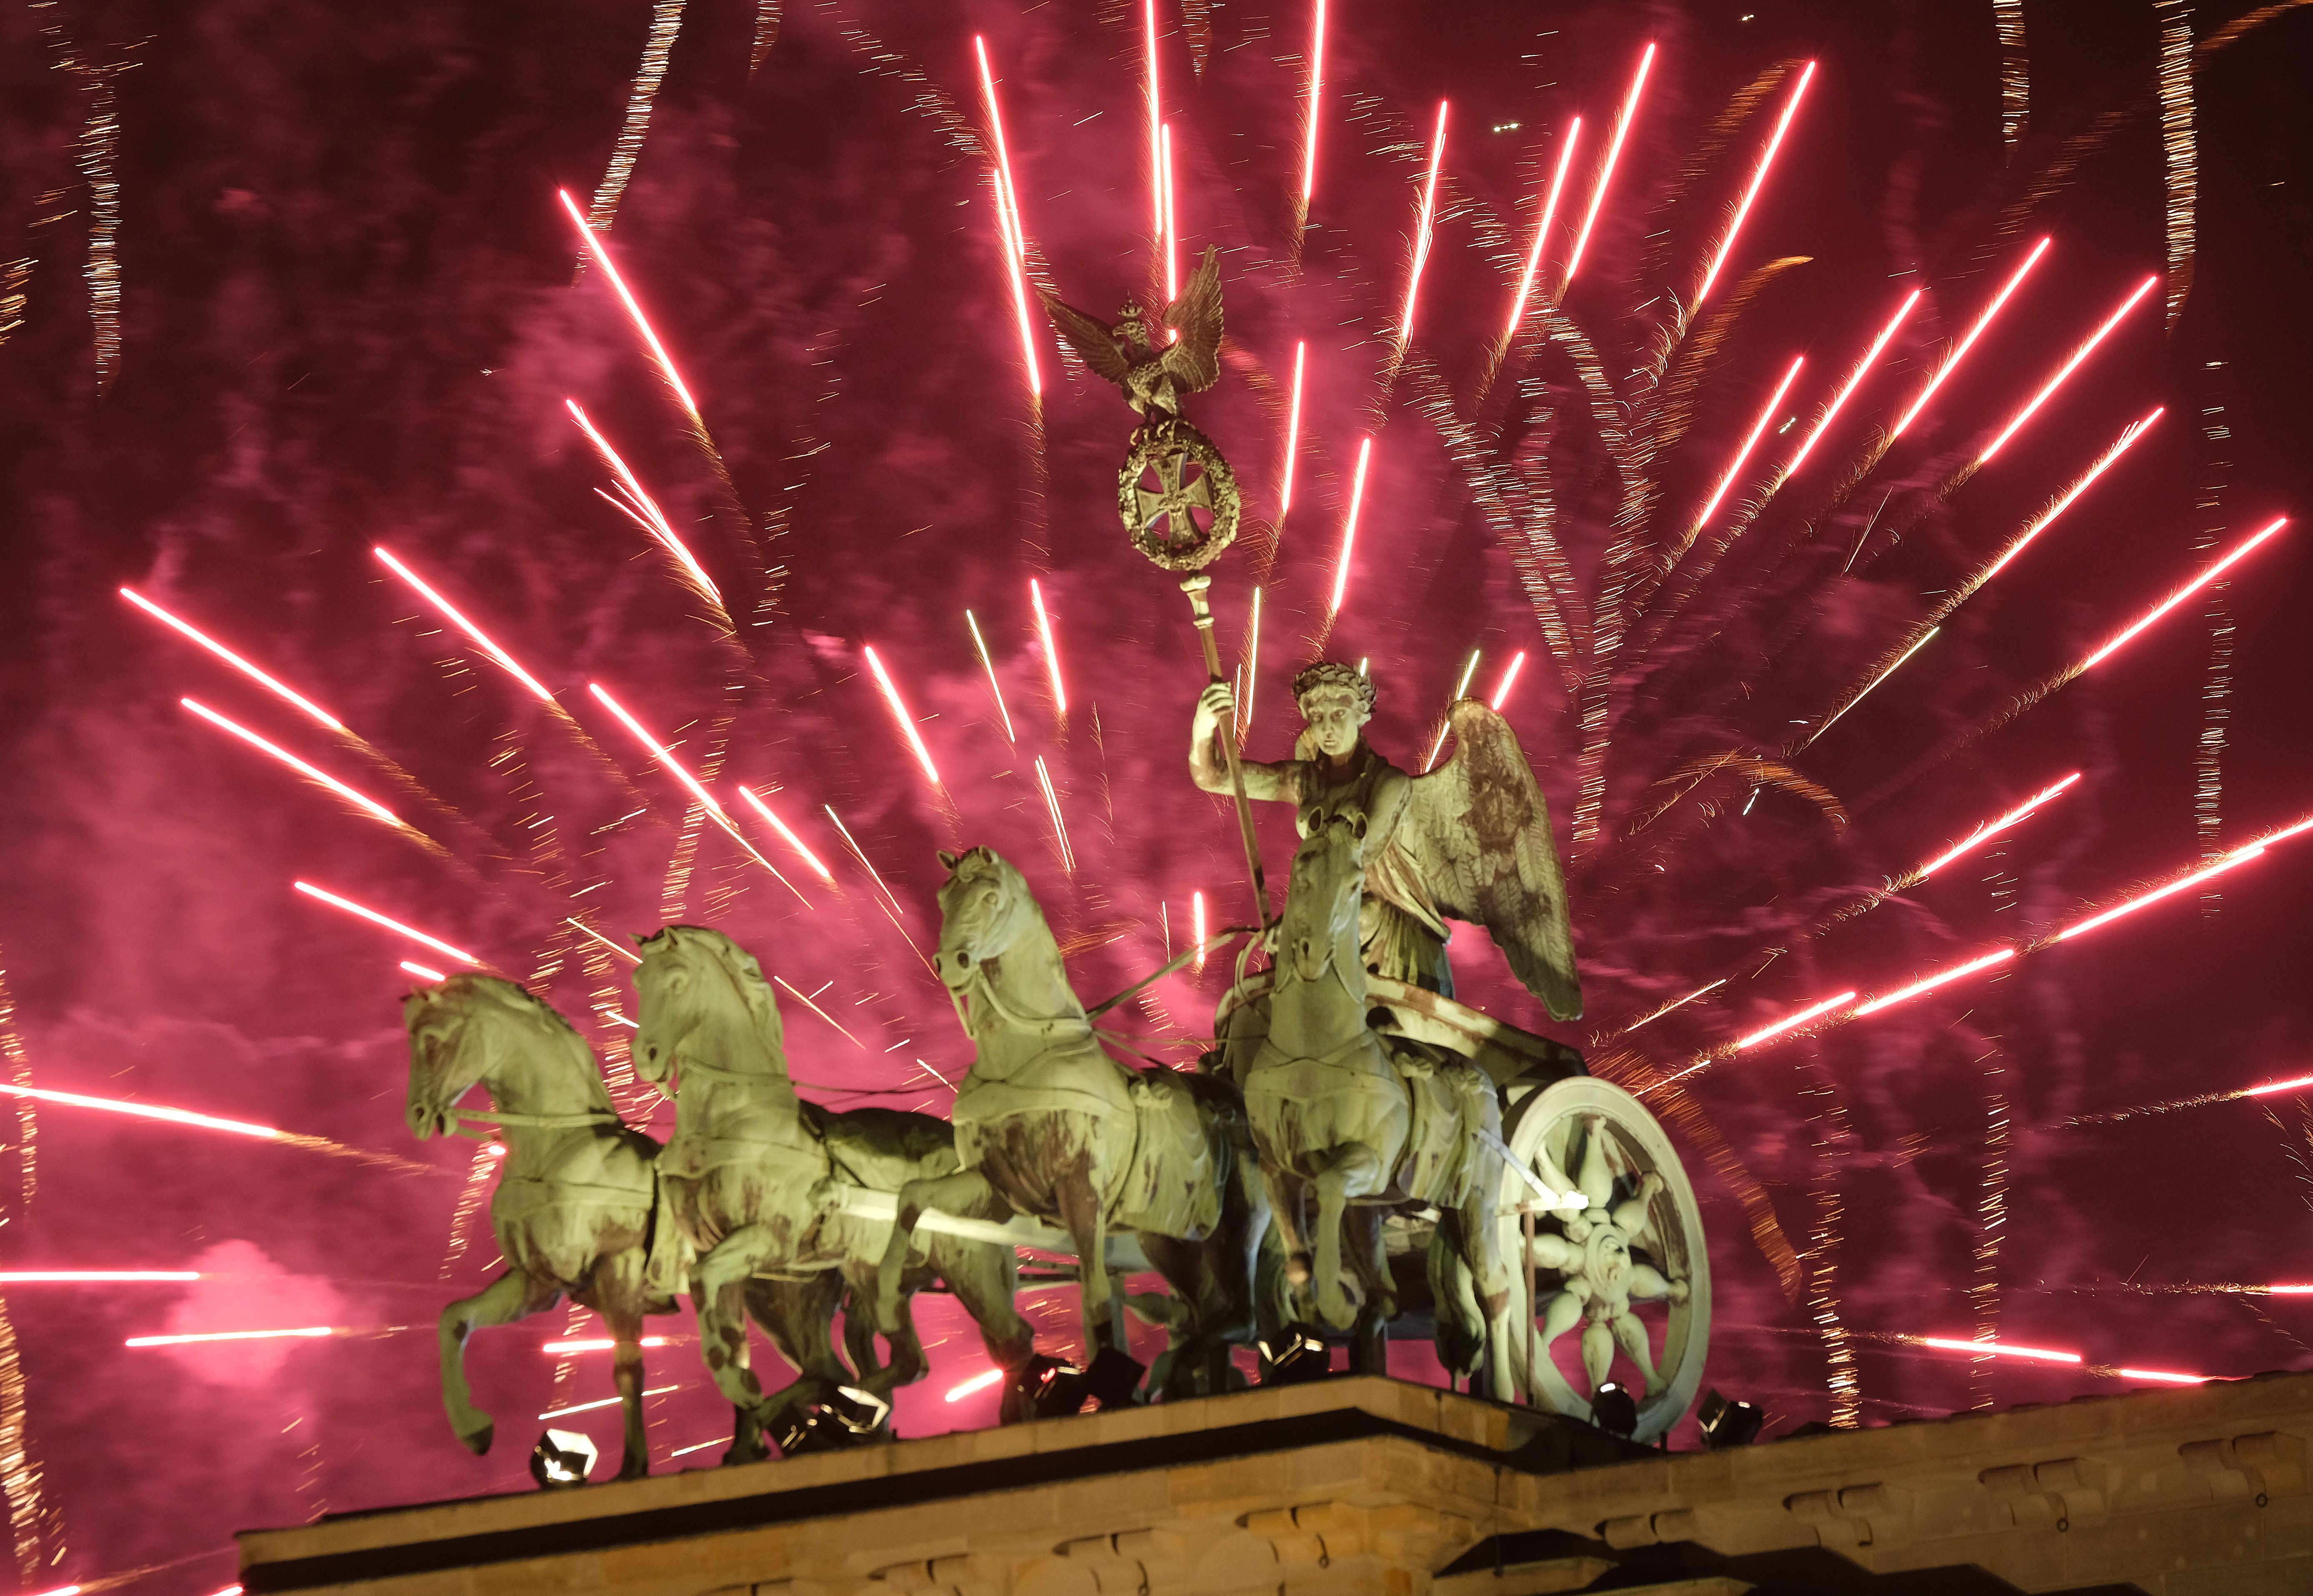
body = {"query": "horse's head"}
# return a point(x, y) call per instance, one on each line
point(460, 1032)
point(693, 980)
point(985, 904)
point(1320, 923)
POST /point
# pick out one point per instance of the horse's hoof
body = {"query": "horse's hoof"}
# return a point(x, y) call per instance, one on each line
point(756, 1453)
point(635, 1470)
point(478, 1442)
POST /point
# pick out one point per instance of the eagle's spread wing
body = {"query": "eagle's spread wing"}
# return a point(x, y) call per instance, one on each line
point(1478, 831)
point(1195, 362)
point(1088, 337)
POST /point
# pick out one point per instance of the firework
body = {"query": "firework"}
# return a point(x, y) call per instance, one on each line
point(1542, 228)
point(1967, 342)
point(2069, 366)
point(308, 771)
point(1052, 650)
point(804, 999)
point(1155, 120)
point(989, 665)
point(1606, 170)
point(423, 971)
point(1316, 93)
point(666, 22)
point(415, 935)
point(1510, 679)
point(1252, 669)
point(1292, 434)
point(1790, 1022)
point(91, 1276)
point(1742, 455)
point(1059, 826)
point(1750, 193)
point(2047, 518)
point(978, 1382)
point(1349, 527)
point(860, 854)
point(175, 1116)
point(602, 254)
point(1999, 1349)
point(1197, 925)
point(234, 660)
point(600, 1344)
point(1009, 222)
point(1943, 978)
point(1679, 1003)
point(1855, 380)
point(2181, 595)
point(588, 931)
point(908, 722)
point(706, 801)
point(1993, 828)
point(2145, 900)
point(1172, 229)
point(1469, 669)
point(2266, 1090)
point(564, 1413)
point(787, 832)
point(1925, 638)
point(643, 509)
point(1424, 229)
point(309, 1332)
point(2180, 148)
point(464, 625)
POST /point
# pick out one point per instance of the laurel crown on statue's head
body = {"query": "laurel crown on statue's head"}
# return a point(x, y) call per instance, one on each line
point(1333, 672)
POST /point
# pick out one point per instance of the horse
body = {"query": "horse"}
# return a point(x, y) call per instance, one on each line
point(755, 1177)
point(1338, 1113)
point(1049, 1124)
point(577, 1207)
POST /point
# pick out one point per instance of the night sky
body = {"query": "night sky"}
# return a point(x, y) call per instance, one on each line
point(347, 315)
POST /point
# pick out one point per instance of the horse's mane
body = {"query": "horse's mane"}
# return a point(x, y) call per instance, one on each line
point(517, 1004)
point(1020, 906)
point(745, 975)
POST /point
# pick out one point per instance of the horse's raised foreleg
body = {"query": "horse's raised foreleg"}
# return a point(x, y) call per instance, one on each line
point(799, 1318)
point(966, 1193)
point(510, 1297)
point(718, 1291)
point(905, 1362)
point(1341, 1173)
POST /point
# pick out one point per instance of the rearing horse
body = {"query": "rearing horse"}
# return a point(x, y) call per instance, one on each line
point(577, 1205)
point(1338, 1115)
point(754, 1175)
point(1049, 1124)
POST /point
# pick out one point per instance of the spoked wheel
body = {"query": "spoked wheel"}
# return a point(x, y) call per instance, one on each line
point(1618, 1286)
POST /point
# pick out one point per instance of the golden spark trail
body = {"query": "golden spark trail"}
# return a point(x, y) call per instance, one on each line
point(1252, 669)
point(1059, 825)
point(628, 954)
point(1424, 231)
point(234, 660)
point(309, 772)
point(1349, 529)
point(2066, 370)
point(1967, 342)
point(1987, 830)
point(1750, 194)
point(908, 722)
point(1679, 1003)
point(2015, 71)
point(1924, 640)
point(644, 505)
point(989, 665)
point(2180, 148)
point(667, 20)
point(480, 638)
point(787, 832)
point(1010, 223)
point(1542, 229)
point(1606, 173)
point(860, 854)
point(642, 323)
point(802, 998)
point(2047, 518)
point(1051, 655)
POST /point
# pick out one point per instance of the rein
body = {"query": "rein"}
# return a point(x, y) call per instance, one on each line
point(536, 1122)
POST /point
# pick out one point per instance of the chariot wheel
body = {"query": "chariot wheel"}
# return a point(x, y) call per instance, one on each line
point(1617, 1287)
point(1177, 496)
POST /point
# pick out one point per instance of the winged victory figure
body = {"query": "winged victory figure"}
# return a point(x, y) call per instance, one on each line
point(1153, 378)
point(1469, 841)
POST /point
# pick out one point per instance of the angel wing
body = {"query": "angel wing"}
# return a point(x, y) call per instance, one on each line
point(1088, 336)
point(1477, 831)
point(1195, 362)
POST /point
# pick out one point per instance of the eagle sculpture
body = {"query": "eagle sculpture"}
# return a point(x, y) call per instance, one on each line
point(1153, 378)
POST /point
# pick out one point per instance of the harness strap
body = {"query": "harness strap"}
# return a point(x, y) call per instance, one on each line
point(543, 1122)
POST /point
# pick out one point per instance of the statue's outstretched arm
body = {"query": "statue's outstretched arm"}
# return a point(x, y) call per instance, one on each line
point(1208, 770)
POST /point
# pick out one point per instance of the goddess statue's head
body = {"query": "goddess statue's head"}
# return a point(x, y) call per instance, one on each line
point(1337, 701)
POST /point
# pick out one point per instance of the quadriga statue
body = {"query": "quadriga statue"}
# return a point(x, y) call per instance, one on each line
point(757, 1180)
